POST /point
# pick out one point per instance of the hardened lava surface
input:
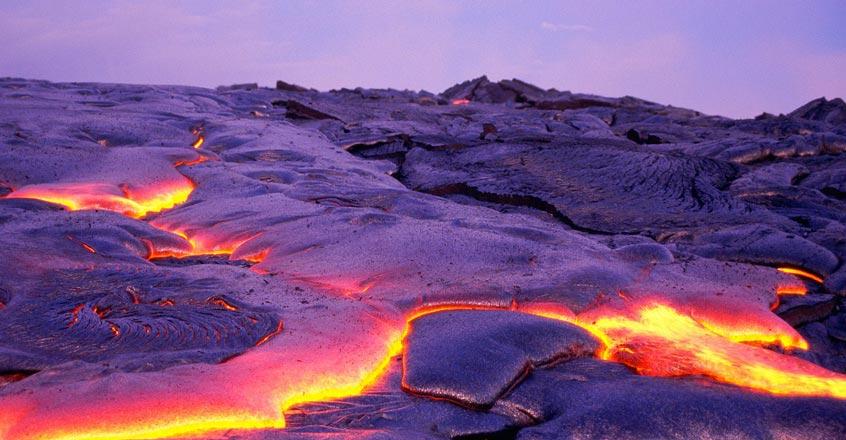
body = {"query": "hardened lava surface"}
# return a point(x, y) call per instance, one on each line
point(133, 321)
point(494, 261)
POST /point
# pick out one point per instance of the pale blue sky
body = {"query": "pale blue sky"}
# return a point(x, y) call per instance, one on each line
point(736, 58)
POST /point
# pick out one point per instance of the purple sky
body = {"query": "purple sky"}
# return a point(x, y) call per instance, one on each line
point(735, 58)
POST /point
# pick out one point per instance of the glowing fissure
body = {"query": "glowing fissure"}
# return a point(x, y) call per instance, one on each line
point(84, 245)
point(200, 138)
point(270, 335)
point(801, 273)
point(187, 163)
point(791, 290)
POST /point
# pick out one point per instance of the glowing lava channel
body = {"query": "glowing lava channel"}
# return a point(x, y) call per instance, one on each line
point(200, 138)
point(130, 202)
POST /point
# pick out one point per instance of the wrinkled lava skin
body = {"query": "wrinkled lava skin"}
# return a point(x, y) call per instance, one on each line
point(496, 260)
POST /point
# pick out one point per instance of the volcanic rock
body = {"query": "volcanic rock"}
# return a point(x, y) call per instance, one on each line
point(762, 244)
point(575, 180)
point(347, 219)
point(473, 357)
point(591, 399)
point(799, 310)
point(821, 109)
point(282, 85)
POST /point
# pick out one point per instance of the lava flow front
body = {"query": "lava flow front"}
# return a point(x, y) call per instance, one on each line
point(658, 340)
point(198, 246)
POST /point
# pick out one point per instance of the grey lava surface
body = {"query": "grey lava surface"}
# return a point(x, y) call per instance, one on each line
point(314, 225)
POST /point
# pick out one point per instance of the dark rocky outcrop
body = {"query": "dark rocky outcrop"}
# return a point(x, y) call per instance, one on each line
point(829, 111)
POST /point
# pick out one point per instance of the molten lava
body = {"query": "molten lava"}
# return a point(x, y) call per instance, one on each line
point(654, 337)
point(801, 273)
point(270, 335)
point(246, 392)
point(187, 163)
point(657, 340)
point(84, 245)
point(223, 303)
point(201, 245)
point(460, 101)
point(75, 315)
point(791, 290)
point(135, 203)
point(200, 138)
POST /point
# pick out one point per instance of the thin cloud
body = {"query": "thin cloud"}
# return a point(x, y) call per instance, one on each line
point(553, 27)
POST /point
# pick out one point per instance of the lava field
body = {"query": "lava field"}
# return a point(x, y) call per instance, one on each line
point(495, 261)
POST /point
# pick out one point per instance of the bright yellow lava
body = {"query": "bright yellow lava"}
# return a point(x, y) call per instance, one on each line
point(135, 204)
point(801, 273)
point(657, 340)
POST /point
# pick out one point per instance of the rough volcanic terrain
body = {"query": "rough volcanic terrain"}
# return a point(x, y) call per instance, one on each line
point(494, 261)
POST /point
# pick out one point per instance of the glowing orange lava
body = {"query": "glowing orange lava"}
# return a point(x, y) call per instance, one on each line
point(200, 246)
point(75, 315)
point(84, 245)
point(135, 203)
point(791, 290)
point(200, 138)
point(654, 338)
point(801, 273)
point(460, 101)
point(270, 335)
point(200, 159)
point(225, 304)
point(658, 340)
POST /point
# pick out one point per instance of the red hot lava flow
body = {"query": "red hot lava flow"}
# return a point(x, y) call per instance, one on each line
point(132, 202)
point(657, 339)
point(652, 336)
